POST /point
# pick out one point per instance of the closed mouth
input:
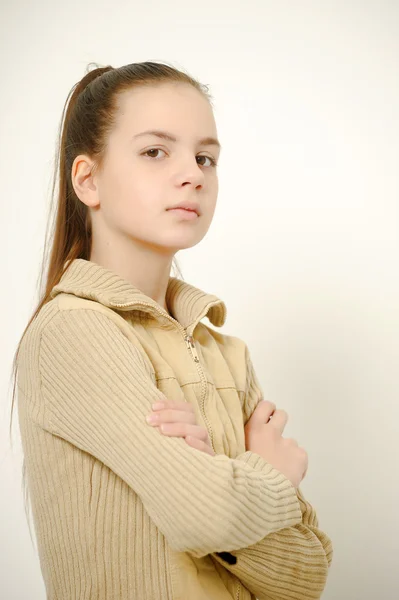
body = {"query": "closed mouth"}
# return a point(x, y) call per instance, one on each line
point(186, 209)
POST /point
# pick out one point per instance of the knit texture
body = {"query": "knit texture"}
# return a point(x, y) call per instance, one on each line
point(123, 511)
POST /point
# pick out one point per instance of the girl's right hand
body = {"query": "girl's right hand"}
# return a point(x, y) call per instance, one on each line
point(265, 438)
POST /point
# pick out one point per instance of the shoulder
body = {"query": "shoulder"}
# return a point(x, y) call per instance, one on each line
point(227, 343)
point(68, 327)
point(67, 315)
point(66, 307)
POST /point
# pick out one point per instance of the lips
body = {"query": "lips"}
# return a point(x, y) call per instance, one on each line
point(185, 213)
point(188, 206)
point(188, 210)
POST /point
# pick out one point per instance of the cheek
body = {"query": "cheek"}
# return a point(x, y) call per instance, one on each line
point(145, 193)
point(138, 211)
point(135, 196)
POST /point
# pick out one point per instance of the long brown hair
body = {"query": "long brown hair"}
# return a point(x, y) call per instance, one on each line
point(88, 117)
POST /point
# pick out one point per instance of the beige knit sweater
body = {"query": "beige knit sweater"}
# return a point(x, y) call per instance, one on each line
point(122, 511)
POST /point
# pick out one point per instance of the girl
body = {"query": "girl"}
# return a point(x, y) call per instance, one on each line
point(201, 502)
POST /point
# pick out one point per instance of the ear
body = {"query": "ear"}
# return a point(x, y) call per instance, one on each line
point(82, 177)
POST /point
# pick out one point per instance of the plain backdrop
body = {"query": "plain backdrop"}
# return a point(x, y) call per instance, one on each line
point(304, 244)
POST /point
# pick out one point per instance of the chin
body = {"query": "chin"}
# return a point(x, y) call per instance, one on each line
point(183, 240)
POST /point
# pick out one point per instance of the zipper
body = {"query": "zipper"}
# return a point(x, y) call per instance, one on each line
point(192, 349)
point(238, 593)
point(194, 354)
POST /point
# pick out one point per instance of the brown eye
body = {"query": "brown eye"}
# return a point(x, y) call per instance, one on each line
point(153, 150)
point(213, 161)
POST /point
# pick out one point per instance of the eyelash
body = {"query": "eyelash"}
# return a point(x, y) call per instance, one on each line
point(213, 161)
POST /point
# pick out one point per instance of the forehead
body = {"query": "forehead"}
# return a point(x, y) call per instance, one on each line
point(176, 107)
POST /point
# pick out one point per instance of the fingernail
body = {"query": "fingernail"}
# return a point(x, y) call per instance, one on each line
point(151, 418)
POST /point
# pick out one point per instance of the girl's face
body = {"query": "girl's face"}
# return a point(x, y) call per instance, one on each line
point(145, 175)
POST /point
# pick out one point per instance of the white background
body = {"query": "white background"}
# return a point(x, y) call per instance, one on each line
point(304, 244)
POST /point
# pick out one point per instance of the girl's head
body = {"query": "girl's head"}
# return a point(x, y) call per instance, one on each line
point(125, 181)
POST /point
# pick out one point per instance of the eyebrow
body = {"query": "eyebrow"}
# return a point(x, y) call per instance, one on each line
point(207, 141)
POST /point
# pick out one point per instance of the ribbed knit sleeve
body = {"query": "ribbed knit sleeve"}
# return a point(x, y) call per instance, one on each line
point(98, 387)
point(290, 564)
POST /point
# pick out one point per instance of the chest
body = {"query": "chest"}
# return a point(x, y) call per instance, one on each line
point(207, 370)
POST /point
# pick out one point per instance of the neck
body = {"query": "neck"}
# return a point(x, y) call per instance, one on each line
point(144, 267)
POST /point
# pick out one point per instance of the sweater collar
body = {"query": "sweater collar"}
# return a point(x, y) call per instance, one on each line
point(187, 304)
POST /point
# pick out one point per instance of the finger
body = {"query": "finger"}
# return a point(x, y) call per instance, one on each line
point(184, 429)
point(263, 411)
point(279, 420)
point(200, 445)
point(175, 416)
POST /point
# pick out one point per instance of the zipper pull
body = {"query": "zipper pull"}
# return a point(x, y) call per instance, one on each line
point(191, 347)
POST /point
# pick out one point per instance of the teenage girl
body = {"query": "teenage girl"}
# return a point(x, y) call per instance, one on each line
point(201, 501)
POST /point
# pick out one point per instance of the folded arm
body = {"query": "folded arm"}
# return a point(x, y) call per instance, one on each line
point(288, 564)
point(291, 563)
point(97, 386)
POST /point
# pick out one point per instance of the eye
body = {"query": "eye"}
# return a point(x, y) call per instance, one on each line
point(152, 150)
point(212, 160)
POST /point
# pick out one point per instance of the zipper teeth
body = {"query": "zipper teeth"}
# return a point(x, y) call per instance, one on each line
point(191, 346)
point(238, 594)
point(160, 312)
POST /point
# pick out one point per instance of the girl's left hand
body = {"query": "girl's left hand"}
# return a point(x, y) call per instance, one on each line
point(178, 419)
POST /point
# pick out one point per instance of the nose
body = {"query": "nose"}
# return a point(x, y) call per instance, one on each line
point(192, 173)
